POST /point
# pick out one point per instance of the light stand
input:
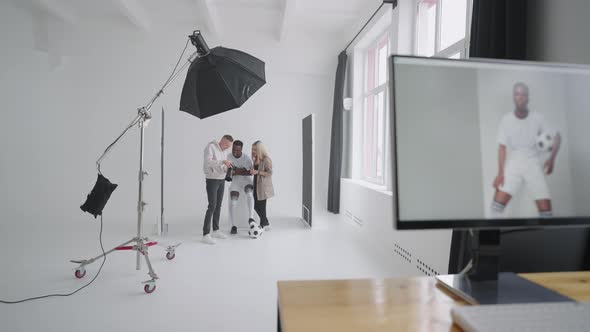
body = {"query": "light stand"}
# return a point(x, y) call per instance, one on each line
point(141, 244)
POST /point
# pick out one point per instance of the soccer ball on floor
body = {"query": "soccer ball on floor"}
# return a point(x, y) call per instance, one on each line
point(545, 141)
point(255, 231)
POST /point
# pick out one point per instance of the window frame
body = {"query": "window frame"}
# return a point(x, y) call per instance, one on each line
point(460, 47)
point(375, 46)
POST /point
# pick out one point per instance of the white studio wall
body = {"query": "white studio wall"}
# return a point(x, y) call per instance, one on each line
point(556, 31)
point(410, 253)
point(63, 104)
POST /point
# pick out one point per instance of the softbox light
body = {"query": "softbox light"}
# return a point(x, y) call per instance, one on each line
point(220, 81)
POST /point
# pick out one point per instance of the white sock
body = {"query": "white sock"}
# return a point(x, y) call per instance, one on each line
point(249, 191)
point(497, 210)
point(233, 205)
point(250, 202)
point(545, 214)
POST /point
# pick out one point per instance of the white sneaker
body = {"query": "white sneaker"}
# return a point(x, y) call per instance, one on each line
point(266, 228)
point(208, 239)
point(219, 235)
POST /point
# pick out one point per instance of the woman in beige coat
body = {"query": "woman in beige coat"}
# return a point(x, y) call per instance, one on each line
point(263, 188)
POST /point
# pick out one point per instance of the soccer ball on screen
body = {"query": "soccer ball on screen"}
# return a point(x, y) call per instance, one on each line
point(545, 141)
point(255, 231)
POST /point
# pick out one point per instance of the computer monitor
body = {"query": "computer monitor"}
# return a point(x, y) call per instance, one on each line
point(489, 144)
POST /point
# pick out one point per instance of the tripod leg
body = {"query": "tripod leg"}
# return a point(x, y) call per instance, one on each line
point(151, 272)
point(92, 260)
point(149, 285)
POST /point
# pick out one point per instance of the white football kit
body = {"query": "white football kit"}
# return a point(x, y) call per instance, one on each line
point(524, 164)
point(239, 182)
point(243, 185)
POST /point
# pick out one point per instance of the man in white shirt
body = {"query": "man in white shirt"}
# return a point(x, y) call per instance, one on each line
point(215, 165)
point(241, 185)
point(518, 132)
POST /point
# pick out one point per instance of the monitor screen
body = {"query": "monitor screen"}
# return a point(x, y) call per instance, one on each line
point(488, 144)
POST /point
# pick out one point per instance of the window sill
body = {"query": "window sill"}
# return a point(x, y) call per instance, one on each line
point(369, 185)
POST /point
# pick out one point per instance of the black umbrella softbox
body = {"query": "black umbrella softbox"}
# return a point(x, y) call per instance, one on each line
point(220, 81)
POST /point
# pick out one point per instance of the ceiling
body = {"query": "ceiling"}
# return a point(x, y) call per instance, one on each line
point(277, 19)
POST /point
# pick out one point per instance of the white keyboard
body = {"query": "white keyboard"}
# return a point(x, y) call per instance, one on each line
point(553, 316)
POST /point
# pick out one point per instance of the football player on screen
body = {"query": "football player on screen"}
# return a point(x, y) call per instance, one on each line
point(524, 139)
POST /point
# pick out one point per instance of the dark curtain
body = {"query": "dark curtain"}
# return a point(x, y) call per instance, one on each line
point(336, 140)
point(498, 30)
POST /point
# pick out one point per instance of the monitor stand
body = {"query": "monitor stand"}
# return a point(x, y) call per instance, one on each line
point(484, 284)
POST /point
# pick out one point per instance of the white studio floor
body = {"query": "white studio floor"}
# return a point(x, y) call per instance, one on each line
point(230, 286)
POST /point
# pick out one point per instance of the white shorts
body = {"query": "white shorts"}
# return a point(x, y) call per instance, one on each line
point(527, 171)
point(239, 183)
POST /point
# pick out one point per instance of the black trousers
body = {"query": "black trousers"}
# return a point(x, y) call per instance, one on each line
point(215, 189)
point(260, 208)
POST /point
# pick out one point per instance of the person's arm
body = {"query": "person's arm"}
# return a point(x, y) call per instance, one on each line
point(244, 170)
point(550, 163)
point(252, 163)
point(499, 180)
point(268, 169)
point(502, 141)
point(241, 171)
point(212, 163)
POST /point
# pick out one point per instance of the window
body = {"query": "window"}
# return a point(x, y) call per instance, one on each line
point(374, 111)
point(441, 28)
point(425, 27)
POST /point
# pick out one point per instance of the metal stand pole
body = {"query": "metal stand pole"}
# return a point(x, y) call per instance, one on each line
point(142, 173)
point(141, 244)
point(163, 226)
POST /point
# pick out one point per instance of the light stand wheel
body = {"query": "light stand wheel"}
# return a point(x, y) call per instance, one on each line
point(80, 274)
point(149, 288)
point(170, 256)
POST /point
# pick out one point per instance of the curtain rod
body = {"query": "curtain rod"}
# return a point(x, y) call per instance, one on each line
point(392, 2)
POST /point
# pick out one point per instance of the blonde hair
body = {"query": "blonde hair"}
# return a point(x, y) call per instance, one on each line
point(261, 151)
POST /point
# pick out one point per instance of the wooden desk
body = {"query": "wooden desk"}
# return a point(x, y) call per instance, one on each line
point(393, 304)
